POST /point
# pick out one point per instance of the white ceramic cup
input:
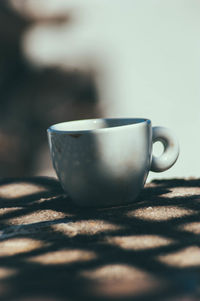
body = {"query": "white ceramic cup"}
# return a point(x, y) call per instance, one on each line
point(104, 162)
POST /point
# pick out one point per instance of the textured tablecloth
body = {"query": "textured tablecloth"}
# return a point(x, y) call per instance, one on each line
point(51, 250)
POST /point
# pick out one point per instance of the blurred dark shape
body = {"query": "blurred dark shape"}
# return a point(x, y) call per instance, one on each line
point(31, 99)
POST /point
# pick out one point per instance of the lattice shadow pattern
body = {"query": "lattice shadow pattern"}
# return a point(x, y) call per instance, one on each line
point(51, 250)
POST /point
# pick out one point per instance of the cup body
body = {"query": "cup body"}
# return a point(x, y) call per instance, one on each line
point(102, 162)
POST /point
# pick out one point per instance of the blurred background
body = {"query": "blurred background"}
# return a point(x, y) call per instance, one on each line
point(62, 60)
point(33, 97)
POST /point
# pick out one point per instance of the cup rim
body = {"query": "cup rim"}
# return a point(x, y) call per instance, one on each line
point(137, 122)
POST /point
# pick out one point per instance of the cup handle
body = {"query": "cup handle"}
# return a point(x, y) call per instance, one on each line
point(171, 149)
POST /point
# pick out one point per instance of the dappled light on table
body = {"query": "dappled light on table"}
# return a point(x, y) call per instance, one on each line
point(193, 227)
point(160, 213)
point(186, 257)
point(120, 280)
point(177, 192)
point(7, 272)
point(63, 257)
point(22, 189)
point(139, 242)
point(146, 251)
point(4, 211)
point(14, 246)
point(89, 227)
point(37, 216)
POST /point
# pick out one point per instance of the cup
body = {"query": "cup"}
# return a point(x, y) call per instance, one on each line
point(105, 162)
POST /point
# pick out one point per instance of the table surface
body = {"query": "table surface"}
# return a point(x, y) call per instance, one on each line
point(53, 251)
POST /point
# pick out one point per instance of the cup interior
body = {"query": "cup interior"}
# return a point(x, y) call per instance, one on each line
point(94, 124)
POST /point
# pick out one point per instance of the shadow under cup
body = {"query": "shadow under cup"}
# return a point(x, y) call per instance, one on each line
point(102, 162)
